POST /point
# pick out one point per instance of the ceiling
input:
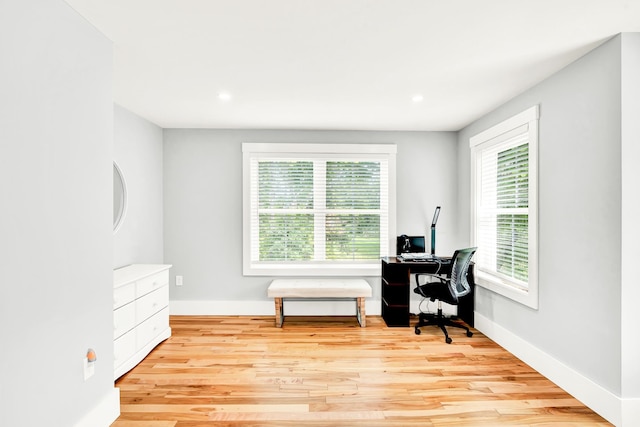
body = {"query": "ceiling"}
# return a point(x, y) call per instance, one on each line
point(341, 64)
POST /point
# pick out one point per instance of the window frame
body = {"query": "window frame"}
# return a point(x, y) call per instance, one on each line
point(309, 150)
point(525, 122)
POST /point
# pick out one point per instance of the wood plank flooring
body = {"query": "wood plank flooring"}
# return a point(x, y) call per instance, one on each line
point(327, 371)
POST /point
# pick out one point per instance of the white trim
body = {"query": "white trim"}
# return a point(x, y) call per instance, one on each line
point(310, 269)
point(365, 148)
point(267, 308)
point(104, 413)
point(630, 412)
point(599, 399)
point(528, 297)
point(528, 115)
point(528, 120)
point(386, 152)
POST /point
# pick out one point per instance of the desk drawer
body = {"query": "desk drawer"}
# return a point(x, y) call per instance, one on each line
point(395, 315)
point(395, 293)
point(396, 272)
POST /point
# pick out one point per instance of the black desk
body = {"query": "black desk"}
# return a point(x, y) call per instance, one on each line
point(397, 286)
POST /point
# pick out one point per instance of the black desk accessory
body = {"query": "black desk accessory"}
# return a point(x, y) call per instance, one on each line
point(436, 214)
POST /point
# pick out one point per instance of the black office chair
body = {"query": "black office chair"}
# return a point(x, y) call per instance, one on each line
point(448, 288)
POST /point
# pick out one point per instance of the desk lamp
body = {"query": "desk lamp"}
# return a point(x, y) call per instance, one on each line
point(433, 230)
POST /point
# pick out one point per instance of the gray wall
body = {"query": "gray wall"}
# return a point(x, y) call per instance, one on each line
point(138, 153)
point(203, 201)
point(56, 113)
point(578, 321)
point(630, 316)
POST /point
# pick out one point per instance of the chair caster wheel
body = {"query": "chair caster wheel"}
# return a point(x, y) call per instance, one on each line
point(469, 333)
point(448, 340)
point(418, 331)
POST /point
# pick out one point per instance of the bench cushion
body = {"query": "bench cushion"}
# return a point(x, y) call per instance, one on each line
point(319, 288)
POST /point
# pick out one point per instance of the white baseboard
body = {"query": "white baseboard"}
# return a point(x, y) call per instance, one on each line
point(104, 413)
point(267, 308)
point(620, 412)
point(630, 412)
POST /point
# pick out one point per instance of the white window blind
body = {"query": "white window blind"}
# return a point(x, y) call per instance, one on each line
point(505, 205)
point(503, 210)
point(310, 212)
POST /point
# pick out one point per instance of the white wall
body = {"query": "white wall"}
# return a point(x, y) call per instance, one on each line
point(203, 206)
point(56, 116)
point(138, 153)
point(588, 179)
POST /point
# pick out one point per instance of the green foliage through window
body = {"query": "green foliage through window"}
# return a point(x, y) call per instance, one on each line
point(353, 185)
point(512, 239)
point(353, 237)
point(295, 211)
point(285, 185)
point(286, 237)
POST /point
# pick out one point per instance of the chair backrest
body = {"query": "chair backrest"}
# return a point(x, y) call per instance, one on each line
point(459, 286)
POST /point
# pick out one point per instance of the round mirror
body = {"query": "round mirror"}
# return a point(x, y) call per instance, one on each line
point(119, 197)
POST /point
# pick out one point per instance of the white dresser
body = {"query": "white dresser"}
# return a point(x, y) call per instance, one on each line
point(140, 313)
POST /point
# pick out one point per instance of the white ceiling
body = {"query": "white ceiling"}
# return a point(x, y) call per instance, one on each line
point(341, 64)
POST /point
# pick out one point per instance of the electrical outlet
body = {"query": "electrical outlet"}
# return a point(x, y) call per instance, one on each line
point(178, 280)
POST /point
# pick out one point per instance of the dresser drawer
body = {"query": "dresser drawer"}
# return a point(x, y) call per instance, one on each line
point(151, 303)
point(141, 313)
point(123, 348)
point(124, 294)
point(152, 327)
point(151, 283)
point(124, 319)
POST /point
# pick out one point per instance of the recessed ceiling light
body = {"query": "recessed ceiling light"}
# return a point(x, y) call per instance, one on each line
point(417, 98)
point(224, 96)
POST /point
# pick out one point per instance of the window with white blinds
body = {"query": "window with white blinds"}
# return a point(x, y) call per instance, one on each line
point(504, 225)
point(317, 209)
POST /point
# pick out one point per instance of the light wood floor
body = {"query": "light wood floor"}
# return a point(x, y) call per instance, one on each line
point(327, 371)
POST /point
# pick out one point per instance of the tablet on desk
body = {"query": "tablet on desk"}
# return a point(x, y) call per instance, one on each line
point(410, 245)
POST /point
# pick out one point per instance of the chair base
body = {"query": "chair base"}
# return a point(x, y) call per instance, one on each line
point(428, 319)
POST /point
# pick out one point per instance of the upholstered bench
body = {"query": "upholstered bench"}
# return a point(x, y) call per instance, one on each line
point(324, 289)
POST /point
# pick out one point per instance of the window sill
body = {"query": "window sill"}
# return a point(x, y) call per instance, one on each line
point(527, 297)
point(314, 270)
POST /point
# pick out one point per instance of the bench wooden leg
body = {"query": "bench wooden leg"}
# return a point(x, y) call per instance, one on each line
point(361, 312)
point(279, 312)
